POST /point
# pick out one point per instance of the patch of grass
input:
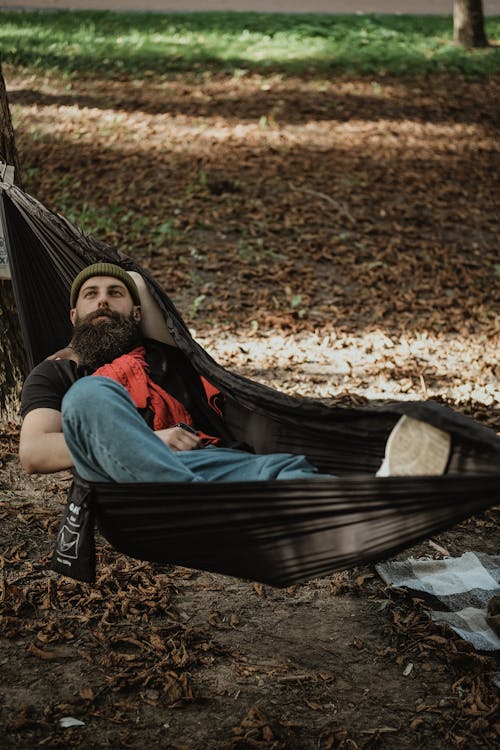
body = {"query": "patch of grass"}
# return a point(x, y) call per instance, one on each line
point(104, 221)
point(132, 43)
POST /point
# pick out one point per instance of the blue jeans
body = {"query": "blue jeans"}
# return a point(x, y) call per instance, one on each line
point(110, 442)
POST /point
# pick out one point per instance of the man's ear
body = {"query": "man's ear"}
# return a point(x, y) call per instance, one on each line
point(136, 312)
point(72, 315)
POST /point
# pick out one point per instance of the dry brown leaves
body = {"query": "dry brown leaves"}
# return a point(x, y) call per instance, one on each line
point(270, 208)
point(468, 717)
point(257, 731)
point(346, 230)
point(371, 200)
point(124, 628)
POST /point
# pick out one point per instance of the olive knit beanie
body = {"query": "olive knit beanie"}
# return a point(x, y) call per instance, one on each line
point(104, 269)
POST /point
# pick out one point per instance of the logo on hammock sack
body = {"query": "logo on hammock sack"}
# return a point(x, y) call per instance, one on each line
point(67, 543)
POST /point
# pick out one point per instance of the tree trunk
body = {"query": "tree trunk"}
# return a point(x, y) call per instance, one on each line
point(12, 360)
point(468, 23)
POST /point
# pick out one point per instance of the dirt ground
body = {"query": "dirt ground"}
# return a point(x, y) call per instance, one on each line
point(336, 238)
point(174, 658)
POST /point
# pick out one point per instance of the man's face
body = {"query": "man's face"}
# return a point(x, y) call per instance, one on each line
point(100, 295)
point(106, 321)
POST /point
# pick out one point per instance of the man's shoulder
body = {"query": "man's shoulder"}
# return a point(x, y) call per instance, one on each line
point(47, 383)
point(64, 369)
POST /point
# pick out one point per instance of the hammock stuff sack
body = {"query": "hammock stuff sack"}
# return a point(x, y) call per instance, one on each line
point(278, 532)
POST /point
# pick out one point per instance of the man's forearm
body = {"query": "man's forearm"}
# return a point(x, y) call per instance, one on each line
point(44, 454)
point(153, 324)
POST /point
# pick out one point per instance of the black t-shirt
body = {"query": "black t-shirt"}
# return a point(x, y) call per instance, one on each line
point(47, 384)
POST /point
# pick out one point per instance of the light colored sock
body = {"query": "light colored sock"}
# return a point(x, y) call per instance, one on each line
point(415, 448)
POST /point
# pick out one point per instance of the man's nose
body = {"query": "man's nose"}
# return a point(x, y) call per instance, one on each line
point(102, 301)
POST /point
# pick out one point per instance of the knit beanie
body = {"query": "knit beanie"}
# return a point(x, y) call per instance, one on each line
point(103, 269)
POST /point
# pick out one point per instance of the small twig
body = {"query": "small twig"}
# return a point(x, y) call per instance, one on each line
point(442, 550)
point(423, 385)
point(341, 208)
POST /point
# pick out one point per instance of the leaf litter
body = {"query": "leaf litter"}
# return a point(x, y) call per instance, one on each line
point(336, 238)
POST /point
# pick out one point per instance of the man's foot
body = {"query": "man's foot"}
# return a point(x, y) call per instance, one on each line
point(415, 448)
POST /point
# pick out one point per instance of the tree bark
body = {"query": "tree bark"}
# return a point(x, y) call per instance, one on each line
point(468, 23)
point(13, 365)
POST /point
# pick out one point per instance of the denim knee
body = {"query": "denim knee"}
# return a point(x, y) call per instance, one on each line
point(94, 391)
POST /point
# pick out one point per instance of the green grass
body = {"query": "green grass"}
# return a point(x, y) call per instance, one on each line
point(138, 43)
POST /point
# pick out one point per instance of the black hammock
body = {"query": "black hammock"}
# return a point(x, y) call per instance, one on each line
point(276, 532)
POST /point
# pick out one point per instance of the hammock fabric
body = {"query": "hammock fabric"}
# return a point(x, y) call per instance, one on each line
point(276, 532)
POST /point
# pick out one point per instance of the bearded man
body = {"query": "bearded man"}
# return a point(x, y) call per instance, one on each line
point(127, 405)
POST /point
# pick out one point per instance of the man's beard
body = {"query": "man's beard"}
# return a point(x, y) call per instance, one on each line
point(98, 343)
